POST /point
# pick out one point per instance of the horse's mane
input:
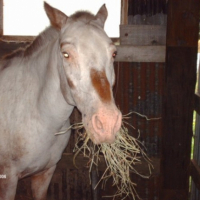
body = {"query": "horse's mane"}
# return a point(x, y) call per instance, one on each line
point(16, 53)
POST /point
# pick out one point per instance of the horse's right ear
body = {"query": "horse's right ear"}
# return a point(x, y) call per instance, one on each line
point(102, 15)
point(57, 18)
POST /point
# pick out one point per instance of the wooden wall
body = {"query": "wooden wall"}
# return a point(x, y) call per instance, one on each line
point(147, 7)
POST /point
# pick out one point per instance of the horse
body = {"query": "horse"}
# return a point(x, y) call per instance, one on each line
point(70, 64)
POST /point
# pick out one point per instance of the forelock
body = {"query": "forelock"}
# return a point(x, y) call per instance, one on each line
point(83, 16)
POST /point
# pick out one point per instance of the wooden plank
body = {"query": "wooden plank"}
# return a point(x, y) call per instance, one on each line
point(178, 104)
point(141, 35)
point(6, 48)
point(127, 53)
point(124, 11)
point(82, 162)
point(195, 173)
point(184, 30)
point(1, 17)
point(13, 38)
point(197, 103)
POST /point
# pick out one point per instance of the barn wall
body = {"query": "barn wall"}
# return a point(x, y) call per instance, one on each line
point(140, 84)
point(139, 88)
point(149, 12)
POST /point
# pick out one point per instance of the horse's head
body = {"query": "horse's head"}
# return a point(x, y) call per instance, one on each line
point(87, 56)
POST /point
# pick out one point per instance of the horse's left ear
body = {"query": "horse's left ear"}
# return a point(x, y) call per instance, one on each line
point(57, 18)
point(102, 15)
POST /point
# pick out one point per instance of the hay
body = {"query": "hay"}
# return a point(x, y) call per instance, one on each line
point(120, 158)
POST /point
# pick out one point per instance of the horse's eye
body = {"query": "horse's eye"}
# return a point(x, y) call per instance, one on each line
point(114, 54)
point(65, 54)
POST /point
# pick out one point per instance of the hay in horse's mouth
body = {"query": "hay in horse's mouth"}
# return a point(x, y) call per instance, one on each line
point(120, 158)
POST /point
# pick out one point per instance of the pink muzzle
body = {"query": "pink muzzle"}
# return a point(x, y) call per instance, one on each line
point(106, 123)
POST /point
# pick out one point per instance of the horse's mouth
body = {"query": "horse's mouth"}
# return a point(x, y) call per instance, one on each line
point(96, 139)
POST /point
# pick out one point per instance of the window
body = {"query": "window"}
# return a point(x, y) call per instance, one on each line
point(27, 17)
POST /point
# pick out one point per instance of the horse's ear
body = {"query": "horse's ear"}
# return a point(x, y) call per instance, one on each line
point(57, 18)
point(102, 15)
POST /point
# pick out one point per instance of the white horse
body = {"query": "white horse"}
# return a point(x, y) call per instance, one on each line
point(69, 64)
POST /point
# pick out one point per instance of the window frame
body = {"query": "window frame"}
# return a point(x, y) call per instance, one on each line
point(13, 38)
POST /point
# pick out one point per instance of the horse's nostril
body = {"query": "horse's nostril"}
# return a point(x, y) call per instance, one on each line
point(98, 123)
point(105, 126)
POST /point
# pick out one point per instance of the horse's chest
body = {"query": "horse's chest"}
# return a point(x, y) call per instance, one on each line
point(43, 153)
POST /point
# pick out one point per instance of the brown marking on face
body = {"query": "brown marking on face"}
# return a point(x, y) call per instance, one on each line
point(101, 84)
point(70, 83)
